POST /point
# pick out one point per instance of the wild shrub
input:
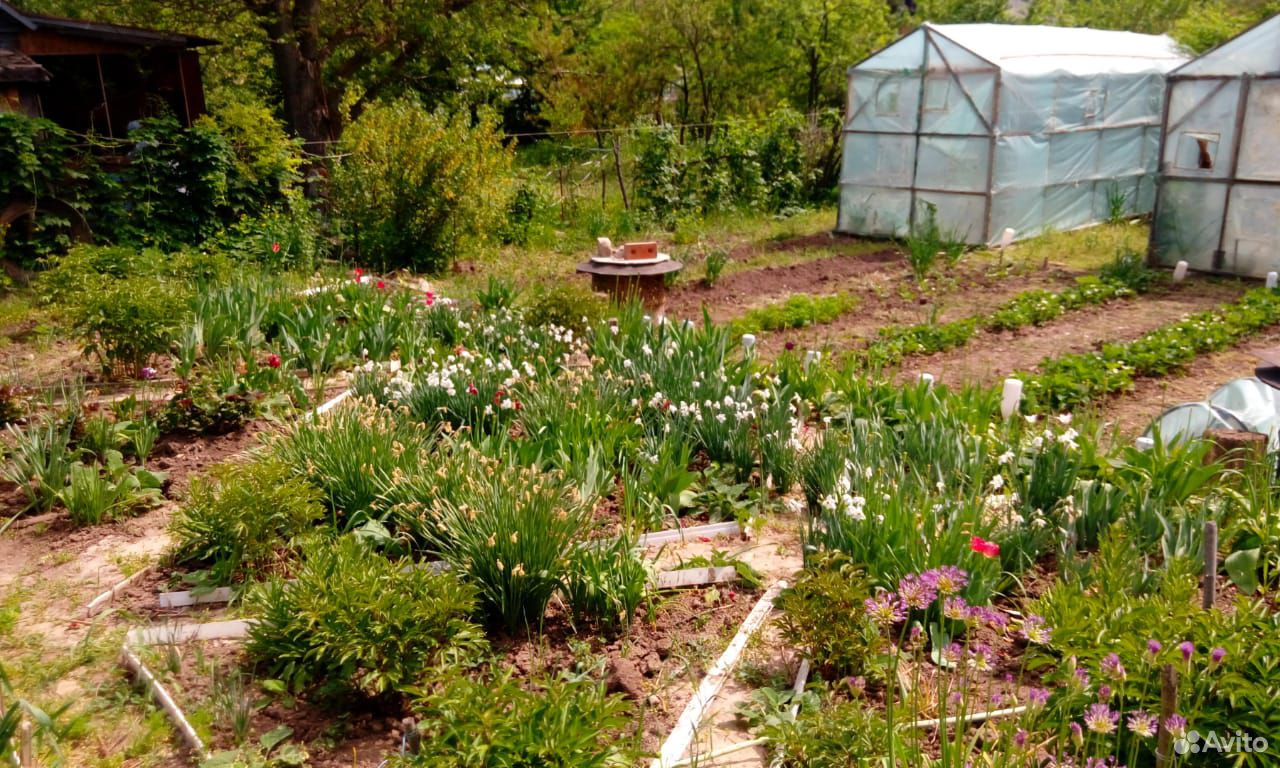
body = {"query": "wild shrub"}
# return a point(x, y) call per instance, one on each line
point(551, 723)
point(244, 520)
point(567, 304)
point(419, 189)
point(354, 621)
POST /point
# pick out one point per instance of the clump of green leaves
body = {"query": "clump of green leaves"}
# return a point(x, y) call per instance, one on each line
point(928, 242)
point(567, 304)
point(97, 492)
point(245, 519)
point(354, 621)
point(556, 723)
point(798, 311)
point(511, 531)
point(606, 582)
point(823, 616)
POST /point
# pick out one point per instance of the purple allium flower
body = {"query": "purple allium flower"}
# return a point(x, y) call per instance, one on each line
point(997, 700)
point(1077, 733)
point(915, 635)
point(954, 653)
point(885, 609)
point(1143, 725)
point(1176, 725)
point(1037, 697)
point(947, 580)
point(148, 373)
point(1104, 693)
point(981, 657)
point(1101, 719)
point(857, 685)
point(1154, 647)
point(1020, 738)
point(1187, 649)
point(1217, 655)
point(915, 593)
point(990, 616)
point(956, 609)
point(1113, 668)
point(1081, 678)
point(1035, 631)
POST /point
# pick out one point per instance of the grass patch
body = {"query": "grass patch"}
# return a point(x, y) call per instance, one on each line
point(1082, 249)
point(799, 311)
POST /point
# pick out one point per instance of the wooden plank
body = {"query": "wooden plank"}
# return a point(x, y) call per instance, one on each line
point(694, 577)
point(676, 535)
point(186, 599)
point(185, 633)
point(674, 748)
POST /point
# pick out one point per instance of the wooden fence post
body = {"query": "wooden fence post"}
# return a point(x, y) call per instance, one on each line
point(1168, 706)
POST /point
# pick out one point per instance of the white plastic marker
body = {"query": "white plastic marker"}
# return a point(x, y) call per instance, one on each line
point(748, 341)
point(1011, 397)
point(1272, 279)
point(810, 358)
point(176, 634)
point(1006, 237)
point(710, 531)
point(1180, 272)
point(927, 380)
point(687, 726)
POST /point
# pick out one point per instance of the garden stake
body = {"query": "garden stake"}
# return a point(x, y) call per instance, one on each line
point(1168, 705)
point(1210, 563)
point(28, 757)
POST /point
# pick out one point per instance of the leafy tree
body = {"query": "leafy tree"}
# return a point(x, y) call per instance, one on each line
point(1150, 16)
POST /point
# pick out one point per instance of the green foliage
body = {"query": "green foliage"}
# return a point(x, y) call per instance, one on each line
point(835, 734)
point(245, 521)
point(1150, 16)
point(40, 460)
point(566, 304)
point(823, 616)
point(556, 723)
point(928, 242)
point(798, 311)
point(352, 454)
point(353, 621)
point(35, 165)
point(207, 404)
point(419, 189)
point(714, 267)
point(1073, 380)
point(606, 582)
point(512, 532)
point(95, 492)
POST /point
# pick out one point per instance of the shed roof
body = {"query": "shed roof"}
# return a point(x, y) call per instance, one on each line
point(99, 30)
point(17, 68)
point(1033, 49)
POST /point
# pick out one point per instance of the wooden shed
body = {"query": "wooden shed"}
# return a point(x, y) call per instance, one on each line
point(88, 76)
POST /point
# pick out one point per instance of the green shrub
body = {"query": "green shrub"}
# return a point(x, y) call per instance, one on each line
point(835, 734)
point(823, 615)
point(355, 621)
point(244, 520)
point(511, 531)
point(419, 189)
point(39, 461)
point(554, 723)
point(714, 267)
point(566, 304)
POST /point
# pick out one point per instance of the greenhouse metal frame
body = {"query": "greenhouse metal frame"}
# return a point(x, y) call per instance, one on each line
point(1218, 201)
point(990, 127)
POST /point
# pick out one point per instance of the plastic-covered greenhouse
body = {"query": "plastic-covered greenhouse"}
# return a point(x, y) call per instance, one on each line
point(1219, 196)
point(999, 126)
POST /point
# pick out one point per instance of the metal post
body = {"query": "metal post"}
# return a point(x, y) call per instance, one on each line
point(1219, 256)
point(1210, 564)
point(915, 160)
point(1152, 260)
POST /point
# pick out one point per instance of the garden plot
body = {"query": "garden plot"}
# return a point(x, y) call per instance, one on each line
point(994, 355)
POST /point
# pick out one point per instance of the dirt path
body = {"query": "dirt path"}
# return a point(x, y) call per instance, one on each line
point(736, 293)
point(1131, 413)
point(989, 357)
point(776, 553)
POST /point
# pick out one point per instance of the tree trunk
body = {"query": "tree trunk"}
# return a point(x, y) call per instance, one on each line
point(309, 110)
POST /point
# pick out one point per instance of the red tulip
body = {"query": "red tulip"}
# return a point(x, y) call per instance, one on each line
point(988, 549)
point(273, 361)
point(275, 247)
point(382, 286)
